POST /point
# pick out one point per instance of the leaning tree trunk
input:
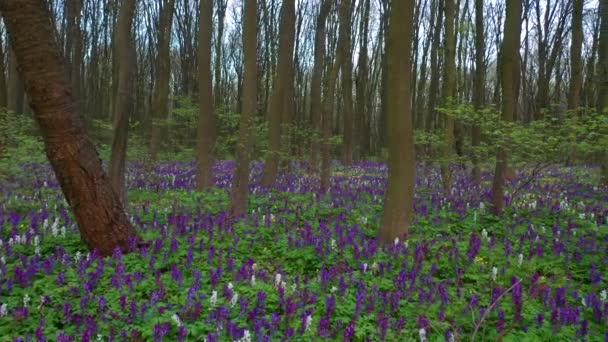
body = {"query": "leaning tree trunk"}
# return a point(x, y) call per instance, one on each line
point(401, 160)
point(240, 183)
point(101, 219)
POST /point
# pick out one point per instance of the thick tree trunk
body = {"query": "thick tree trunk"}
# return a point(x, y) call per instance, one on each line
point(240, 183)
point(15, 91)
point(401, 163)
point(479, 84)
point(206, 143)
point(125, 56)
point(316, 105)
point(510, 87)
point(279, 91)
point(101, 219)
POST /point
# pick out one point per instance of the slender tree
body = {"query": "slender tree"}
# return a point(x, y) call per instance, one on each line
point(125, 57)
point(576, 64)
point(602, 103)
point(510, 88)
point(204, 174)
point(401, 161)
point(317, 75)
point(278, 99)
point(448, 88)
point(347, 83)
point(479, 83)
point(101, 219)
point(240, 183)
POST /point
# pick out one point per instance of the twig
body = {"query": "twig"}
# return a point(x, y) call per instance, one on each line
point(485, 314)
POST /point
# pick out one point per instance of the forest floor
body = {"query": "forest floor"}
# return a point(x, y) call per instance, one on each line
point(303, 267)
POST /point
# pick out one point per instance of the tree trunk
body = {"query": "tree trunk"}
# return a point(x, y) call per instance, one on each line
point(125, 55)
point(479, 84)
point(101, 219)
point(576, 65)
point(347, 82)
point(448, 90)
point(221, 14)
point(362, 108)
point(509, 86)
point(435, 76)
point(15, 91)
point(206, 143)
point(240, 183)
point(161, 92)
point(315, 83)
point(3, 92)
point(603, 80)
point(401, 163)
point(279, 91)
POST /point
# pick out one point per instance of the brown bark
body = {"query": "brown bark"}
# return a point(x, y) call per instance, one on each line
point(100, 216)
point(240, 183)
point(125, 57)
point(434, 84)
point(315, 83)
point(509, 86)
point(479, 84)
point(362, 80)
point(278, 97)
point(401, 163)
point(206, 143)
point(603, 80)
point(161, 91)
point(347, 82)
point(217, 89)
point(576, 65)
point(3, 93)
point(15, 91)
point(448, 90)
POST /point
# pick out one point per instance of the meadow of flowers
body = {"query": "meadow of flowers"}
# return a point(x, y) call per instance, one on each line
point(303, 266)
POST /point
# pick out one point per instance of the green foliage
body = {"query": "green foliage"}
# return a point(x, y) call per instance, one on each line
point(19, 143)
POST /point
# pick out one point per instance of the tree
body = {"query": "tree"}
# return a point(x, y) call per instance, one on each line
point(401, 160)
point(479, 83)
point(317, 75)
point(163, 61)
point(448, 88)
point(278, 98)
point(102, 222)
point(347, 83)
point(125, 58)
point(240, 183)
point(576, 64)
point(362, 79)
point(204, 174)
point(510, 88)
point(602, 103)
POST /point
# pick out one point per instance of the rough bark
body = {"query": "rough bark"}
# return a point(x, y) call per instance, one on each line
point(576, 65)
point(101, 219)
point(206, 143)
point(240, 183)
point(217, 89)
point(15, 91)
point(362, 80)
point(3, 92)
point(603, 80)
point(125, 57)
point(509, 87)
point(401, 163)
point(279, 91)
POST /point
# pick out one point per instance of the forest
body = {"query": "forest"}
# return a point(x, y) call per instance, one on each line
point(303, 170)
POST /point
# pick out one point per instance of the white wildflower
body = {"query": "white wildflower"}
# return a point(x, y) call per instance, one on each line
point(422, 334)
point(333, 289)
point(26, 300)
point(3, 259)
point(177, 320)
point(254, 266)
point(333, 244)
point(584, 302)
point(277, 280)
point(252, 279)
point(406, 244)
point(230, 286)
point(78, 256)
point(37, 250)
point(484, 234)
point(213, 299)
point(17, 239)
point(3, 310)
point(99, 337)
point(364, 267)
point(520, 259)
point(482, 206)
point(246, 336)
point(234, 299)
point(36, 240)
point(11, 241)
point(603, 295)
point(63, 231)
point(308, 322)
point(396, 241)
point(294, 287)
point(375, 267)
point(494, 273)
